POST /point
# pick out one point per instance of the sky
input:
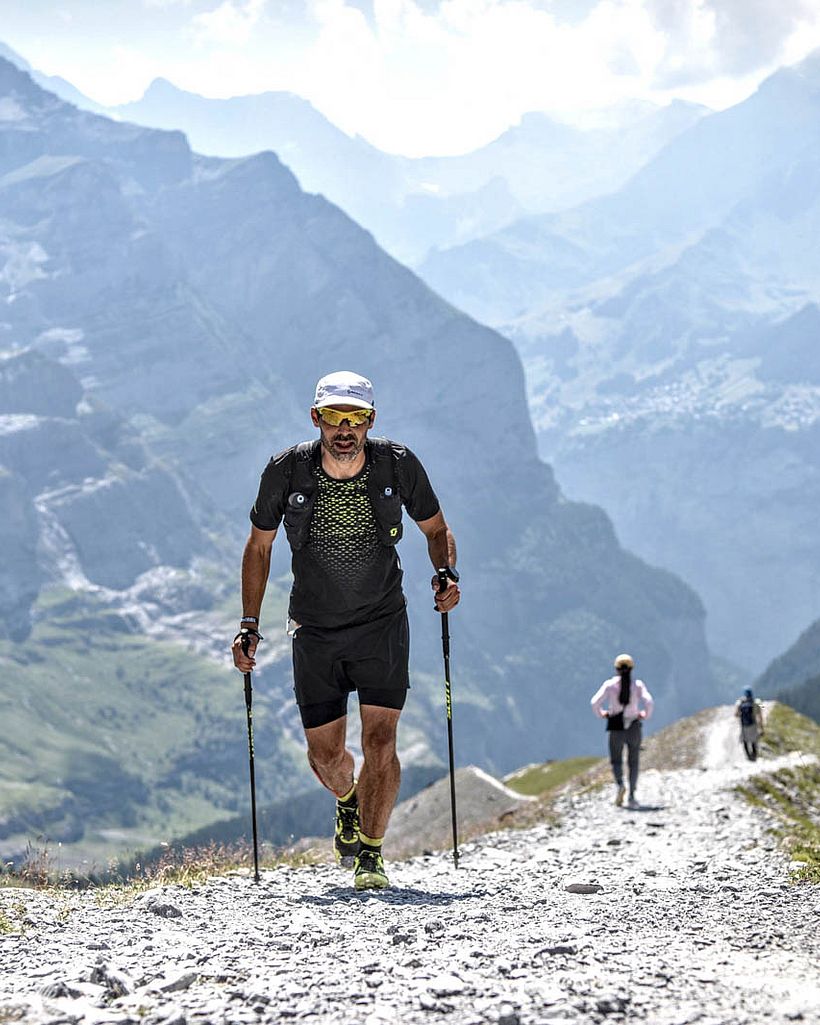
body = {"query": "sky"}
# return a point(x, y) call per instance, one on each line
point(419, 76)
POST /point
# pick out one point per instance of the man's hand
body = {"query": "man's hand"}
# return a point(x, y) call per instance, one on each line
point(448, 598)
point(245, 661)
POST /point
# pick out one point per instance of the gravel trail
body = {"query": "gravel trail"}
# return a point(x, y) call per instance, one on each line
point(677, 912)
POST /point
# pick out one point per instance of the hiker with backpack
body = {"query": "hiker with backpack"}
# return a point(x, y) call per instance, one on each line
point(750, 713)
point(624, 703)
point(341, 497)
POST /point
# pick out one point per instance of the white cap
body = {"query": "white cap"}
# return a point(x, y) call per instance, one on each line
point(624, 660)
point(344, 388)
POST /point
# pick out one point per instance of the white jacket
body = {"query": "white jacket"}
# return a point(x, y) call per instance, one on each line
point(607, 694)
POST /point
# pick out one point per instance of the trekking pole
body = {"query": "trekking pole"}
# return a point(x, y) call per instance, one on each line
point(249, 712)
point(443, 575)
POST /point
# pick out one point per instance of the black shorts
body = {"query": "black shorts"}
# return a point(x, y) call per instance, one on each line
point(371, 658)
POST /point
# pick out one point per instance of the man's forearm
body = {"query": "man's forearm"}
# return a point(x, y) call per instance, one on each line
point(255, 570)
point(442, 548)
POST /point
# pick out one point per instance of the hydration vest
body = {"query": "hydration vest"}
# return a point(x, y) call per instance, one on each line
point(747, 712)
point(383, 487)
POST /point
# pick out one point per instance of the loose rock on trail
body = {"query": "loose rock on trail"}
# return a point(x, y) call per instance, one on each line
point(680, 911)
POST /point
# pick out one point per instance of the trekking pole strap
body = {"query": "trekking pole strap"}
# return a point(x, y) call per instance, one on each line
point(246, 633)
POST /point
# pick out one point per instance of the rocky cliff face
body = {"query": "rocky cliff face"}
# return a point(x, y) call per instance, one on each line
point(83, 496)
point(798, 664)
point(180, 310)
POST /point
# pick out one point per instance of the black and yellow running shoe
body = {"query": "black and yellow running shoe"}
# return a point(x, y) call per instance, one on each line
point(346, 838)
point(368, 872)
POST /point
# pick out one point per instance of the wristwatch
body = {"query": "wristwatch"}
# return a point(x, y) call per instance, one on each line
point(449, 571)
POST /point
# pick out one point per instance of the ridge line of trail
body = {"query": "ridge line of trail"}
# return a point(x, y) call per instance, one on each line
point(695, 921)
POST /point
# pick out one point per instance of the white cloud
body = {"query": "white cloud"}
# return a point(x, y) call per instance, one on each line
point(167, 3)
point(232, 22)
point(421, 76)
point(451, 71)
point(468, 68)
point(727, 36)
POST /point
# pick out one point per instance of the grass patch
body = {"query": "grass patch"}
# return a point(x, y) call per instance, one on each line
point(187, 866)
point(792, 798)
point(181, 866)
point(5, 923)
point(113, 740)
point(535, 780)
point(787, 730)
point(545, 782)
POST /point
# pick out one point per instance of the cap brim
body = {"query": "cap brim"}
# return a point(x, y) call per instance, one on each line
point(346, 400)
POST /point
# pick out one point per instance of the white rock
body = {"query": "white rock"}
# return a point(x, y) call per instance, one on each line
point(446, 985)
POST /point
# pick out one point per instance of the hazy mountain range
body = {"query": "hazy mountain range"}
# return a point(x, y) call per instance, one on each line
point(164, 318)
point(412, 205)
point(795, 675)
point(670, 333)
point(663, 300)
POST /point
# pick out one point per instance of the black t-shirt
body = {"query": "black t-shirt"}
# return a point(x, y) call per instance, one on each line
point(343, 575)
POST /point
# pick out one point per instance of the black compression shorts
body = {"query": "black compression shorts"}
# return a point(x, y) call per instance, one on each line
point(371, 658)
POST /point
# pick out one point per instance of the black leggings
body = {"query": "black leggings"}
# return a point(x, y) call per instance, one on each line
point(632, 739)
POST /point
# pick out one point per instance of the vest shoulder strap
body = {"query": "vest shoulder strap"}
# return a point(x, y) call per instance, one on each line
point(386, 462)
point(300, 466)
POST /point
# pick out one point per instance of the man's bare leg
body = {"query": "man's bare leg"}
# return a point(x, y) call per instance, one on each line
point(328, 756)
point(379, 779)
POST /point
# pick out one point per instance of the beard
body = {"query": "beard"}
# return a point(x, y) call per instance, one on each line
point(349, 452)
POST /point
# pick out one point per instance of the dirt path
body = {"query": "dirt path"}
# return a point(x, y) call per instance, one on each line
point(694, 921)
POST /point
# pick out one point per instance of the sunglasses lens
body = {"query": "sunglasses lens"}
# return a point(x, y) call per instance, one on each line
point(334, 417)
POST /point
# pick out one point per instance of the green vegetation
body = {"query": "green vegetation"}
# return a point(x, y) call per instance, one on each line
point(184, 866)
point(536, 780)
point(791, 796)
point(114, 741)
point(804, 698)
point(787, 730)
point(13, 917)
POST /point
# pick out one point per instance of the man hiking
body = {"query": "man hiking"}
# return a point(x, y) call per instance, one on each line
point(341, 499)
point(624, 715)
point(750, 713)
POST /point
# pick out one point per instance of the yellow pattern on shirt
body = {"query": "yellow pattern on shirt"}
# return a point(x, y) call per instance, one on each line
point(343, 535)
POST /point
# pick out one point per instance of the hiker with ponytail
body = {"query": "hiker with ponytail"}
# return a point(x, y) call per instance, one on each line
point(624, 703)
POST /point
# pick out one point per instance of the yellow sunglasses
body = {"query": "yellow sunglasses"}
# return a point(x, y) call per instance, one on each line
point(336, 417)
